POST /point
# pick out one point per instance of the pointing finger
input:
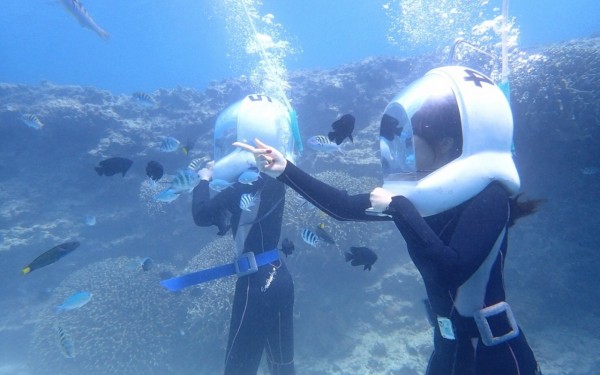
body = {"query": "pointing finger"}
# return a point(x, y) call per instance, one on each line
point(244, 146)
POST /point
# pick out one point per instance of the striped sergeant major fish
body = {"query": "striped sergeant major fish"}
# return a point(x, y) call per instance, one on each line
point(65, 342)
point(323, 144)
point(196, 164)
point(248, 200)
point(78, 11)
point(309, 237)
point(32, 121)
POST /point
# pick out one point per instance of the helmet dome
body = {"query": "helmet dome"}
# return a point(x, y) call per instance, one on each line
point(445, 137)
point(255, 116)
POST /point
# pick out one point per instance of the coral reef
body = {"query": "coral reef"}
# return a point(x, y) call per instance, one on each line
point(347, 320)
point(131, 325)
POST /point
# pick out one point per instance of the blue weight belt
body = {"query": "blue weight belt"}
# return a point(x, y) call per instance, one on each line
point(246, 264)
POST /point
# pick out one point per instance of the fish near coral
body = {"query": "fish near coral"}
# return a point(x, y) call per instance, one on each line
point(65, 343)
point(323, 235)
point(74, 301)
point(154, 170)
point(112, 166)
point(342, 129)
point(361, 256)
point(169, 144)
point(50, 256)
point(323, 144)
point(32, 121)
point(309, 237)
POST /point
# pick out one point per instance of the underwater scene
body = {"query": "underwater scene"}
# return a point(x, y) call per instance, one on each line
point(108, 113)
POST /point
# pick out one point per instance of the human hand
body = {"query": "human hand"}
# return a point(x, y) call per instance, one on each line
point(268, 159)
point(206, 172)
point(380, 199)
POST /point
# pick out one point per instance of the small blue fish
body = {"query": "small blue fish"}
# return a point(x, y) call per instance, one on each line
point(143, 99)
point(185, 180)
point(90, 220)
point(65, 342)
point(248, 201)
point(32, 121)
point(219, 185)
point(309, 237)
point(74, 301)
point(323, 144)
point(166, 196)
point(249, 176)
point(169, 144)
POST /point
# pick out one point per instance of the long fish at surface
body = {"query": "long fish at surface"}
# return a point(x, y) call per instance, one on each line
point(78, 11)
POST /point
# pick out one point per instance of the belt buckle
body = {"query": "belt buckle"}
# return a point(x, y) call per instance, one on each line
point(481, 320)
point(245, 264)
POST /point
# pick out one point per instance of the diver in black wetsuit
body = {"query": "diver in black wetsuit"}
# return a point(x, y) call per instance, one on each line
point(262, 312)
point(451, 200)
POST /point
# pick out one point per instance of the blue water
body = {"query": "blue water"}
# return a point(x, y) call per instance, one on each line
point(161, 44)
point(345, 318)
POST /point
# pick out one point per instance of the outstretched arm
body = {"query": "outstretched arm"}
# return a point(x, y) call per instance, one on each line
point(334, 202)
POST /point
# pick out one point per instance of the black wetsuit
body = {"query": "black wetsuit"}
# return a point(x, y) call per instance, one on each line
point(262, 313)
point(450, 251)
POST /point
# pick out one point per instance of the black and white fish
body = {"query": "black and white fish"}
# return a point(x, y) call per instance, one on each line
point(32, 121)
point(196, 164)
point(169, 144)
point(143, 99)
point(309, 237)
point(361, 256)
point(78, 11)
point(323, 144)
point(248, 200)
point(342, 129)
point(65, 343)
point(112, 166)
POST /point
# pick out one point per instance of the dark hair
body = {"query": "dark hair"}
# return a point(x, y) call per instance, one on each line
point(519, 209)
point(437, 119)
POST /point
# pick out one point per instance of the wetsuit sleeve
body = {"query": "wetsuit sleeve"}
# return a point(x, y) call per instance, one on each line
point(334, 202)
point(208, 211)
point(478, 226)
